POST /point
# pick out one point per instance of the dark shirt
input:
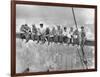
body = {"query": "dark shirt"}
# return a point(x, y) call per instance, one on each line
point(47, 31)
point(34, 30)
point(25, 29)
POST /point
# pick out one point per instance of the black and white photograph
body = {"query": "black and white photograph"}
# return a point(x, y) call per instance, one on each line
point(54, 38)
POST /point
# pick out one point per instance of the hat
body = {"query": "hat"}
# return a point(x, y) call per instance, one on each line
point(64, 27)
point(71, 28)
point(33, 25)
point(41, 24)
point(25, 24)
point(82, 27)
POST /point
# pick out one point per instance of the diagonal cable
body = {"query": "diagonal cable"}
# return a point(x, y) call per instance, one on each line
point(78, 35)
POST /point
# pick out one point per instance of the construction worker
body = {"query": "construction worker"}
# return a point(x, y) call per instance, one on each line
point(34, 32)
point(42, 33)
point(70, 36)
point(22, 29)
point(76, 36)
point(38, 35)
point(23, 32)
point(82, 43)
point(65, 38)
point(47, 34)
point(59, 33)
point(83, 36)
point(53, 35)
point(26, 31)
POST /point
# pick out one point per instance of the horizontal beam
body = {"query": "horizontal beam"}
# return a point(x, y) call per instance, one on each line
point(87, 42)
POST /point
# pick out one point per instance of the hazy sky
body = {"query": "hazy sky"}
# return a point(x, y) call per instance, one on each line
point(54, 15)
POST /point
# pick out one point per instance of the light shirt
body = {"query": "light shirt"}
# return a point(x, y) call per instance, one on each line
point(38, 31)
point(65, 33)
point(41, 31)
point(59, 32)
point(70, 34)
point(53, 32)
